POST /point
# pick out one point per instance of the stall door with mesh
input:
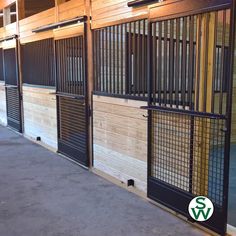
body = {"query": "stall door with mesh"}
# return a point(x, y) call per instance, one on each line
point(13, 95)
point(188, 119)
point(71, 99)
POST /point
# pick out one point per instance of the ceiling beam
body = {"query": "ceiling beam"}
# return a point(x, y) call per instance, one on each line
point(6, 3)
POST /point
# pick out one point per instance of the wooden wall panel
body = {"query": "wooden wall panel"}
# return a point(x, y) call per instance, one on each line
point(120, 139)
point(3, 111)
point(40, 118)
point(68, 32)
point(28, 24)
point(64, 11)
point(108, 12)
point(71, 9)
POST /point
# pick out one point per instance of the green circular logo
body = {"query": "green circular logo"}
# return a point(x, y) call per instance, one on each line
point(201, 208)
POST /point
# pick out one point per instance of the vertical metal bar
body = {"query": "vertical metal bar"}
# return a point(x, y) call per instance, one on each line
point(61, 48)
point(122, 59)
point(70, 58)
point(56, 65)
point(134, 84)
point(110, 60)
point(126, 48)
point(222, 65)
point(198, 64)
point(154, 60)
point(143, 59)
point(206, 62)
point(79, 87)
point(99, 61)
point(103, 60)
point(214, 64)
point(130, 65)
point(118, 60)
point(107, 79)
point(177, 77)
point(114, 59)
point(184, 59)
point(138, 61)
point(77, 61)
point(94, 60)
point(171, 62)
point(160, 59)
point(165, 62)
point(191, 62)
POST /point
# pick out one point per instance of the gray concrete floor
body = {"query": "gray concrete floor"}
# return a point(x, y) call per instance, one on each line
point(43, 194)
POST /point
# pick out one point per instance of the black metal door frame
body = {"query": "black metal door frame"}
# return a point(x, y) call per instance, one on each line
point(159, 190)
point(14, 89)
point(79, 97)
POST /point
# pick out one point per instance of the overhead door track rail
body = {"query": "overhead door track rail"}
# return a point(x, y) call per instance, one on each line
point(44, 28)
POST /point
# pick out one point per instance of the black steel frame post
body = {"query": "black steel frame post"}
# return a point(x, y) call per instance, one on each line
point(229, 109)
point(149, 85)
point(19, 82)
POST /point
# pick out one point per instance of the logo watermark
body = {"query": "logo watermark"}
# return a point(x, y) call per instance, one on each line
point(201, 208)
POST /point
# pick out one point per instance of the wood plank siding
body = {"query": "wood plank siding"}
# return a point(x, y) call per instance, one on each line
point(40, 117)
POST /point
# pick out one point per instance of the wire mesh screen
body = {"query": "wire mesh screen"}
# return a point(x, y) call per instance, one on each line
point(73, 130)
point(38, 63)
point(13, 108)
point(189, 61)
point(70, 66)
point(120, 59)
point(1, 65)
point(10, 67)
point(188, 152)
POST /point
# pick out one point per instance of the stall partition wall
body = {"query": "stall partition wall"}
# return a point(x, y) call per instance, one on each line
point(39, 99)
point(120, 89)
point(3, 108)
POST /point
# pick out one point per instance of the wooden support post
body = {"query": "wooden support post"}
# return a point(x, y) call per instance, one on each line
point(20, 9)
point(57, 3)
point(204, 84)
point(90, 71)
point(6, 16)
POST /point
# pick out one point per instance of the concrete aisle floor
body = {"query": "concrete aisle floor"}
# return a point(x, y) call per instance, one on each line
point(43, 194)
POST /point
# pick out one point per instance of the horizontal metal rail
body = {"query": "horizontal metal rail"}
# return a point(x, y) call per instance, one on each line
point(60, 24)
point(187, 112)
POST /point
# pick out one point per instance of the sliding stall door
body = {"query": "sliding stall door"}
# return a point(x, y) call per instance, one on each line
point(72, 105)
point(13, 93)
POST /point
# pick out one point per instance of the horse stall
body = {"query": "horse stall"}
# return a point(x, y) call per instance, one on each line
point(120, 89)
point(177, 67)
point(41, 41)
point(38, 82)
point(72, 103)
point(12, 84)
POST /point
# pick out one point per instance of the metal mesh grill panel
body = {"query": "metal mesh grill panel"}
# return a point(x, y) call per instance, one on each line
point(188, 153)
